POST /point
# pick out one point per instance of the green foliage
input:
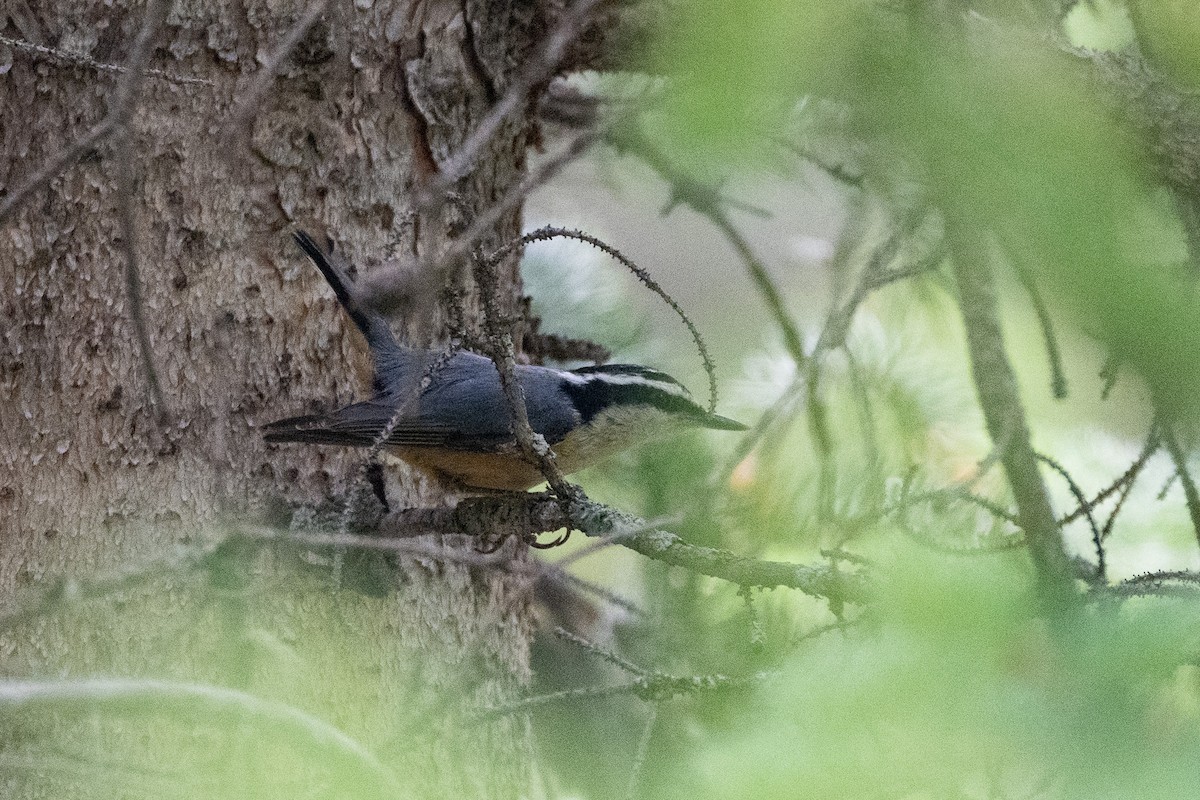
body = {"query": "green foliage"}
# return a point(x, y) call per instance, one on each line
point(1003, 132)
point(958, 691)
point(977, 120)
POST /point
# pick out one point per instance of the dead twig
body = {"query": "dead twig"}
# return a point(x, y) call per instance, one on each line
point(68, 57)
point(548, 232)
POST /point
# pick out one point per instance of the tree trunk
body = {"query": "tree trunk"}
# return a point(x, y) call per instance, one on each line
point(243, 331)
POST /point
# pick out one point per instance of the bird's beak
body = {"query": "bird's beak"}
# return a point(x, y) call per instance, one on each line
point(717, 422)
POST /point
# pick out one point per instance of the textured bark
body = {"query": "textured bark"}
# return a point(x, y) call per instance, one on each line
point(243, 332)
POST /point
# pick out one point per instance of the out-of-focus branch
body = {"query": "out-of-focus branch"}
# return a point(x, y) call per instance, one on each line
point(707, 201)
point(540, 67)
point(1153, 443)
point(1190, 493)
point(124, 99)
point(398, 284)
point(1000, 401)
point(140, 697)
point(250, 100)
point(1082, 500)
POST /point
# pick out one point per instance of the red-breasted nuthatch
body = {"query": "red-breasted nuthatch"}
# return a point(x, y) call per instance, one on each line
point(460, 427)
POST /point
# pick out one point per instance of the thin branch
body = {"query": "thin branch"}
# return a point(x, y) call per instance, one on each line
point(639, 758)
point(707, 201)
point(819, 581)
point(1163, 583)
point(1191, 494)
point(1000, 401)
point(500, 344)
point(1082, 500)
point(554, 573)
point(123, 104)
point(549, 232)
point(402, 408)
point(578, 693)
point(395, 286)
point(1126, 479)
point(67, 592)
point(126, 210)
point(115, 123)
point(609, 541)
point(523, 515)
point(853, 178)
point(408, 545)
point(200, 702)
point(66, 56)
point(876, 274)
point(870, 438)
point(961, 492)
point(600, 652)
point(1181, 575)
point(1058, 378)
point(1106, 531)
point(656, 687)
point(65, 159)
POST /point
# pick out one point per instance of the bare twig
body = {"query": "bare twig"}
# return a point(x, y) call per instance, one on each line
point(66, 56)
point(875, 274)
point(554, 573)
point(393, 286)
point(533, 445)
point(67, 592)
point(654, 687)
point(532, 514)
point(402, 408)
point(409, 545)
point(707, 200)
point(1126, 479)
point(596, 650)
point(1082, 500)
point(124, 103)
point(60, 162)
point(550, 232)
point(841, 173)
point(959, 492)
point(1163, 583)
point(115, 122)
point(609, 541)
point(578, 693)
point(143, 697)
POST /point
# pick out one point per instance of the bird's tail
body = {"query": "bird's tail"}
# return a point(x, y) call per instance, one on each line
point(373, 326)
point(311, 429)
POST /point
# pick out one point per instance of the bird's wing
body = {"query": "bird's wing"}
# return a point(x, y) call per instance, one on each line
point(361, 424)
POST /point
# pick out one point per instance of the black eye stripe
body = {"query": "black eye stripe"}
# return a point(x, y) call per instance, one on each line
point(594, 396)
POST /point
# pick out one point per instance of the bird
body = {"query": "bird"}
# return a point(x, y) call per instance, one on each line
point(449, 417)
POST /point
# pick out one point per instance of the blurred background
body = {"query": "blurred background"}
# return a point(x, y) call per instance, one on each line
point(839, 134)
